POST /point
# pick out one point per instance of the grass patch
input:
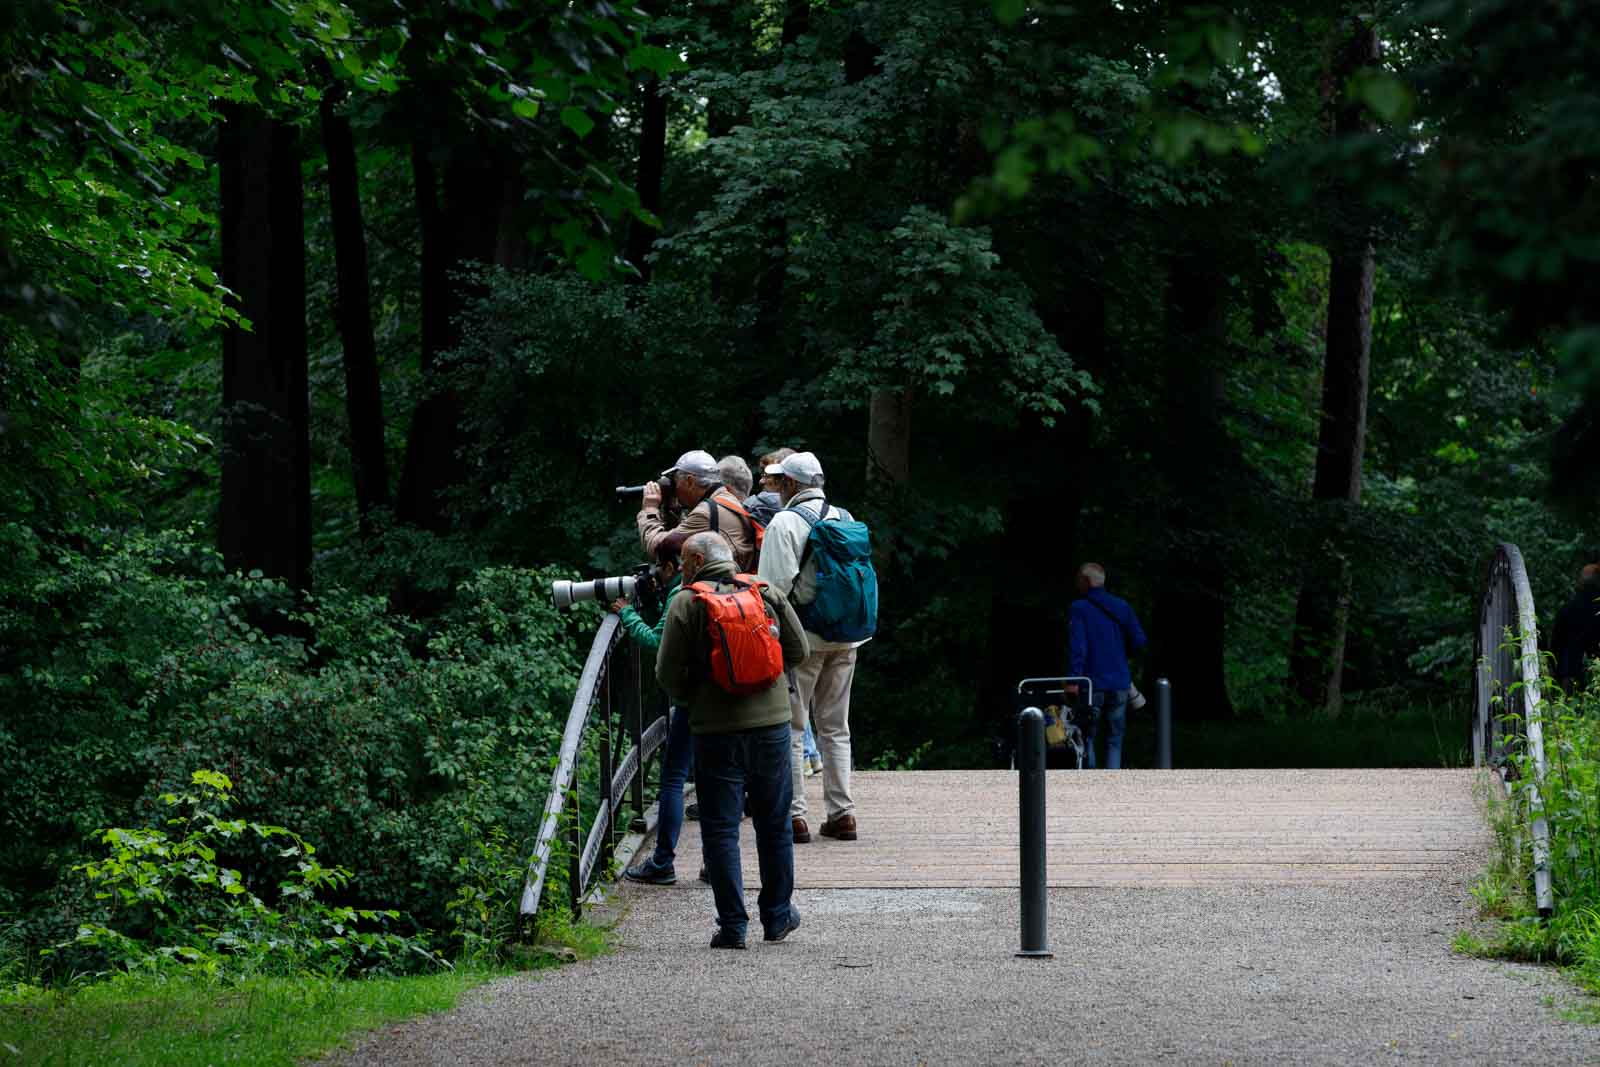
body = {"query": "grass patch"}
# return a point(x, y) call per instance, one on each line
point(177, 1021)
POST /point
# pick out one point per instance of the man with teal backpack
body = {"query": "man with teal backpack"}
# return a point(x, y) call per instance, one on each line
point(821, 556)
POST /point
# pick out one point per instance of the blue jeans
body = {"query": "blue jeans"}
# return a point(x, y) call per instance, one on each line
point(727, 766)
point(810, 742)
point(1111, 711)
point(675, 764)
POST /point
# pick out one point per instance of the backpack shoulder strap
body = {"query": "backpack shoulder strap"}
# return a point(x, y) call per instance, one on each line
point(737, 509)
point(805, 513)
point(811, 523)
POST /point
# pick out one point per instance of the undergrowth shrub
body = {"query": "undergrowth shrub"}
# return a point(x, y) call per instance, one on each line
point(171, 899)
point(1570, 802)
point(127, 660)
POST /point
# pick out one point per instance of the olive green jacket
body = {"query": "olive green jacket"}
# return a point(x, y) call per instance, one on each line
point(683, 661)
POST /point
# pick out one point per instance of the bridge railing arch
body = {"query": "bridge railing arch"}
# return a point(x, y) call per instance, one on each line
point(609, 699)
point(1507, 715)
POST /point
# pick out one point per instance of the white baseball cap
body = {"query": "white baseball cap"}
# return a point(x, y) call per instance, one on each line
point(803, 467)
point(695, 462)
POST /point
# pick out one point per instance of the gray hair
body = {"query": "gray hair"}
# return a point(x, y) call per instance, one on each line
point(1094, 574)
point(736, 475)
point(709, 546)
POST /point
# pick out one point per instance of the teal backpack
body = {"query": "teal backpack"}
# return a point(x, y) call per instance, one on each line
point(846, 605)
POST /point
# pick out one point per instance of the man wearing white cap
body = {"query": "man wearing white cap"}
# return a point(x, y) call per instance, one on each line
point(822, 682)
point(697, 484)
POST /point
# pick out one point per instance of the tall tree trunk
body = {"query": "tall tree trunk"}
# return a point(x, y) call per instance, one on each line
point(1190, 616)
point(265, 521)
point(652, 164)
point(460, 225)
point(772, 276)
point(363, 393)
point(1322, 612)
point(889, 439)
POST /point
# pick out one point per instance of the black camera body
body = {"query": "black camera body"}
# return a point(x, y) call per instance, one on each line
point(629, 492)
point(646, 597)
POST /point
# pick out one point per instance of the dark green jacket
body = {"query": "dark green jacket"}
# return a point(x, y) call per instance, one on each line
point(649, 637)
point(683, 662)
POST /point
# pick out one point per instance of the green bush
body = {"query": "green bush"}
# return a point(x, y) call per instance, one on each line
point(173, 901)
point(402, 747)
point(1570, 803)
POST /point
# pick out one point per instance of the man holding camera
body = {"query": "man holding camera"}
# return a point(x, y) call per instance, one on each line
point(696, 481)
point(740, 728)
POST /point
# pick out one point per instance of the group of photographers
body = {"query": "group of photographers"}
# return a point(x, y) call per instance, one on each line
point(746, 738)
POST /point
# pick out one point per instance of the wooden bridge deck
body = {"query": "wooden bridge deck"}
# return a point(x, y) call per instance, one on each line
point(954, 829)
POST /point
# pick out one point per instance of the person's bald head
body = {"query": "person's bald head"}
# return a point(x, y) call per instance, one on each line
point(703, 548)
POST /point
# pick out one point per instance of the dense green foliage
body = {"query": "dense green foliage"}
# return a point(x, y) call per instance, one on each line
point(1089, 250)
point(1568, 799)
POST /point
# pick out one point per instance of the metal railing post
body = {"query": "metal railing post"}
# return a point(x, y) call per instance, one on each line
point(634, 710)
point(1163, 724)
point(607, 770)
point(575, 869)
point(1030, 800)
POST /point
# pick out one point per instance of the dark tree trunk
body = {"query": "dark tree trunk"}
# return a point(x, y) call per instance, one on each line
point(265, 521)
point(1189, 619)
point(1322, 613)
point(652, 163)
point(889, 439)
point(363, 393)
point(459, 226)
point(772, 276)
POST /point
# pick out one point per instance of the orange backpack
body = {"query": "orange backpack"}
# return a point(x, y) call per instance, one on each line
point(745, 654)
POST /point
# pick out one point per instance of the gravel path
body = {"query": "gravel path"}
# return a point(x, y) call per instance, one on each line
point(1243, 974)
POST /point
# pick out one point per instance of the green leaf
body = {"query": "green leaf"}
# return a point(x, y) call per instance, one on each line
point(1387, 96)
point(577, 121)
point(527, 107)
point(1009, 11)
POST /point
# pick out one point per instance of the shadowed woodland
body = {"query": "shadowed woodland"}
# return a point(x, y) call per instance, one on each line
point(327, 327)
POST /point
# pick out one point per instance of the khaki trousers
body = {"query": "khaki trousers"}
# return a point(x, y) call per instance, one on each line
point(821, 685)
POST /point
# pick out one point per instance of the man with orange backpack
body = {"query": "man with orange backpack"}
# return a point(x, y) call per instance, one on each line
point(726, 643)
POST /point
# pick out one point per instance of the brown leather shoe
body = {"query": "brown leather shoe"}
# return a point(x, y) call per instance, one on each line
point(802, 832)
point(843, 828)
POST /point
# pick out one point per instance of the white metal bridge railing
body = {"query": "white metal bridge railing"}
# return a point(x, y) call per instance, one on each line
point(1506, 714)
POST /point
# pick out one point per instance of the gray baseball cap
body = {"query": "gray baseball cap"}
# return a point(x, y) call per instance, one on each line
point(697, 463)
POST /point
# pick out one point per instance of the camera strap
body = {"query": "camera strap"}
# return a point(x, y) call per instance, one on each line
point(1121, 630)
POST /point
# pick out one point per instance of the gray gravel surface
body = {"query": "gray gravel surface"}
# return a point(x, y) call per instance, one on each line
point(1357, 973)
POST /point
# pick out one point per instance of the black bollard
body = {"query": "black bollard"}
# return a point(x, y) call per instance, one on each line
point(1030, 798)
point(1163, 724)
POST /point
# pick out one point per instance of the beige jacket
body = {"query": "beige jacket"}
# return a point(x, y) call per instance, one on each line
point(729, 523)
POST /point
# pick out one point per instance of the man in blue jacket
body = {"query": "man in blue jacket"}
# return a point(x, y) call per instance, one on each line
point(1103, 630)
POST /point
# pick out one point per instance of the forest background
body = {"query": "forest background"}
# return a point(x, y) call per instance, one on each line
point(327, 326)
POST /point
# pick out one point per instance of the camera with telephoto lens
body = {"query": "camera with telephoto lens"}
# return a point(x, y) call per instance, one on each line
point(628, 492)
point(604, 590)
point(646, 594)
